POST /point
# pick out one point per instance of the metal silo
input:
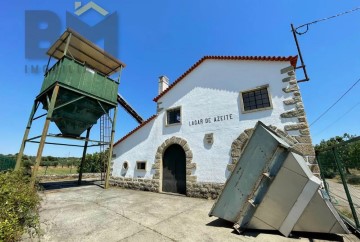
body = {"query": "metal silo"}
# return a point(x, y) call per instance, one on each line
point(77, 90)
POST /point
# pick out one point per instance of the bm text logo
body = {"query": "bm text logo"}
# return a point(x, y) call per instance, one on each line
point(44, 27)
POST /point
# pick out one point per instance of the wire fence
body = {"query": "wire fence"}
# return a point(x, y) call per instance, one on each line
point(340, 171)
point(6, 163)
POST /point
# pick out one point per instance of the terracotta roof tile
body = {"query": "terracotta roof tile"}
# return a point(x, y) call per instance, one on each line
point(136, 129)
point(292, 59)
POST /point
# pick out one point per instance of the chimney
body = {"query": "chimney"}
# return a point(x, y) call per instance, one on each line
point(163, 84)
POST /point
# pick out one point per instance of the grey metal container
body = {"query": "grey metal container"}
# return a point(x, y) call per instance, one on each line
point(272, 188)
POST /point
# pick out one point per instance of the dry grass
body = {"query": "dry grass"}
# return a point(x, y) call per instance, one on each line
point(347, 213)
point(51, 170)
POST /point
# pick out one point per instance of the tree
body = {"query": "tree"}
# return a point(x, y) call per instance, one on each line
point(50, 158)
point(69, 163)
point(348, 154)
point(46, 163)
point(55, 163)
point(94, 163)
point(63, 162)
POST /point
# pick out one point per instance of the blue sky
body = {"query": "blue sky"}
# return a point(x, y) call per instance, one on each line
point(163, 37)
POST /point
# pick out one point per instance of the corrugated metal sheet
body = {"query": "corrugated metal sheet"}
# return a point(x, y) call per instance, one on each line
point(85, 51)
point(78, 76)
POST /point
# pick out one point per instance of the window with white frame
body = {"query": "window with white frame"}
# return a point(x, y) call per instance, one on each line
point(256, 99)
point(173, 116)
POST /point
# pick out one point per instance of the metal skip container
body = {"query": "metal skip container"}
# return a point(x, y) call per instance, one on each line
point(272, 188)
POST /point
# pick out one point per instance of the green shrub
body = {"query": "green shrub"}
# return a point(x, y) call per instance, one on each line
point(354, 180)
point(19, 206)
point(329, 174)
point(94, 163)
point(6, 163)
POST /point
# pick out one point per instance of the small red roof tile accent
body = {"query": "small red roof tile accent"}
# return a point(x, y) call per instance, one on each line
point(136, 129)
point(292, 59)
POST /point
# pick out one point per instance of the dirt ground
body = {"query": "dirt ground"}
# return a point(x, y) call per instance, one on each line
point(338, 195)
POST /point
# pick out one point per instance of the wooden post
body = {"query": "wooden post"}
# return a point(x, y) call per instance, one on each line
point(26, 134)
point(84, 155)
point(44, 133)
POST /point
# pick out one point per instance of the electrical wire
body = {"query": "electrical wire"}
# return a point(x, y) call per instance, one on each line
point(327, 110)
point(337, 120)
point(323, 19)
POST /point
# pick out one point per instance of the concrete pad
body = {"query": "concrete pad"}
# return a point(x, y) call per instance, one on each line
point(90, 213)
point(146, 235)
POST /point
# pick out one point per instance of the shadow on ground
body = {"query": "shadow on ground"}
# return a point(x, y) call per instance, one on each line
point(54, 185)
point(220, 223)
point(317, 236)
point(294, 235)
point(297, 235)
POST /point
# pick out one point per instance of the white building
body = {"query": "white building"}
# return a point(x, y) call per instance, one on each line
point(203, 120)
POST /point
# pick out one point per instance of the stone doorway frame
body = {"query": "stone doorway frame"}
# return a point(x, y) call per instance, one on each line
point(190, 165)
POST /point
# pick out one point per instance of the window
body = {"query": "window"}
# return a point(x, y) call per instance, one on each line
point(125, 165)
point(256, 99)
point(141, 165)
point(173, 116)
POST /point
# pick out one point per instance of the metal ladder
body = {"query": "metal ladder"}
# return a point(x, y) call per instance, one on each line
point(105, 135)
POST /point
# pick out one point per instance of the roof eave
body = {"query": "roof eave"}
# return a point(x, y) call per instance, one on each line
point(292, 59)
point(143, 124)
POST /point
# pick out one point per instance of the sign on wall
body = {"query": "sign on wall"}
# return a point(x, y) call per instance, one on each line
point(209, 120)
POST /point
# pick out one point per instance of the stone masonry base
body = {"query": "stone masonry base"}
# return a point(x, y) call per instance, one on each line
point(141, 184)
point(199, 190)
point(204, 190)
point(68, 176)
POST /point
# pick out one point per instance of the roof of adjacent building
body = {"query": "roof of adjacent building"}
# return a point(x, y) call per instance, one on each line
point(136, 129)
point(292, 59)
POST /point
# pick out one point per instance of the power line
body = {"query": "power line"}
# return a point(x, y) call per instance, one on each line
point(323, 19)
point(337, 120)
point(327, 110)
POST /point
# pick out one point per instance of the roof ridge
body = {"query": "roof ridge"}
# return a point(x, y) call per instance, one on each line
point(292, 59)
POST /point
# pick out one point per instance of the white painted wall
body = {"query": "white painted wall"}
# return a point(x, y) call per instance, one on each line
point(212, 89)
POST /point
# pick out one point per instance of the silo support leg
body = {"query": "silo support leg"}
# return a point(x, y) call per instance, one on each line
point(110, 150)
point(26, 134)
point(44, 133)
point(84, 155)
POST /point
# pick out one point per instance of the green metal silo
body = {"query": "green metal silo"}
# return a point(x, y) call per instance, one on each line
point(77, 90)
